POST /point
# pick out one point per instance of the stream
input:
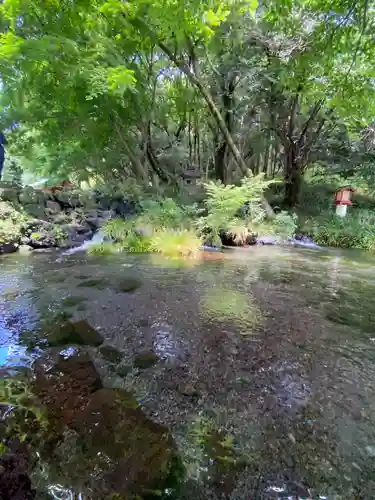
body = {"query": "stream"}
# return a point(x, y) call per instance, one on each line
point(246, 376)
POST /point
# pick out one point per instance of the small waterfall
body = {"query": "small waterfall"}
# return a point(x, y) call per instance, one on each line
point(99, 237)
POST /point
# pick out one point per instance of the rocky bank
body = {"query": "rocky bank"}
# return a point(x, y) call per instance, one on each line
point(38, 219)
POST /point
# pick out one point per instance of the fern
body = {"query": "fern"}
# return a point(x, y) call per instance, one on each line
point(225, 205)
point(118, 229)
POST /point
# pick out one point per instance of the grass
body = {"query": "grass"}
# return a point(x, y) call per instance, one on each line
point(106, 248)
point(356, 230)
point(136, 244)
point(176, 243)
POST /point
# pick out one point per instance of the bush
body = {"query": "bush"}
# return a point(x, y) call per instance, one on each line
point(11, 223)
point(284, 225)
point(175, 244)
point(230, 207)
point(135, 244)
point(118, 229)
point(164, 213)
point(357, 230)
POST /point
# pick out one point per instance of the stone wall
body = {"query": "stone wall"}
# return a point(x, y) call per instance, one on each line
point(34, 219)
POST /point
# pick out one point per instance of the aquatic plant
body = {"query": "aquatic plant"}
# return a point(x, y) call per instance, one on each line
point(25, 419)
point(175, 244)
point(104, 248)
point(225, 305)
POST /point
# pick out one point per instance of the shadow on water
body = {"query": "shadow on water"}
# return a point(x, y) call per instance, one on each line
point(250, 376)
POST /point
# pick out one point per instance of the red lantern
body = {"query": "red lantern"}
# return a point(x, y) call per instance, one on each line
point(343, 196)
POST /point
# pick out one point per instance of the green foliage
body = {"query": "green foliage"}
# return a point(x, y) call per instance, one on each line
point(59, 235)
point(135, 244)
point(12, 171)
point(129, 190)
point(176, 244)
point(283, 224)
point(356, 230)
point(105, 248)
point(118, 229)
point(225, 206)
point(11, 223)
point(164, 213)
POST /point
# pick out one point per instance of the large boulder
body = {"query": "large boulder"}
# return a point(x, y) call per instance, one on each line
point(232, 239)
point(64, 385)
point(68, 198)
point(138, 455)
point(35, 211)
point(30, 196)
point(106, 443)
point(69, 333)
point(53, 207)
point(95, 218)
point(76, 233)
point(9, 192)
point(8, 248)
point(42, 234)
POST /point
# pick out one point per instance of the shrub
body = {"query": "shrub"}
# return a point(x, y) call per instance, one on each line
point(174, 244)
point(9, 233)
point(357, 230)
point(118, 229)
point(135, 244)
point(164, 213)
point(11, 223)
point(232, 206)
point(283, 224)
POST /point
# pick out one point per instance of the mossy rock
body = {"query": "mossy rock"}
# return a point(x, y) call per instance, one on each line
point(145, 359)
point(123, 370)
point(9, 193)
point(29, 195)
point(110, 353)
point(129, 285)
point(73, 300)
point(99, 283)
point(77, 333)
point(140, 455)
point(35, 210)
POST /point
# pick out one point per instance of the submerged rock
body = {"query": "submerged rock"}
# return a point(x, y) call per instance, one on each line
point(73, 301)
point(99, 283)
point(64, 386)
point(110, 353)
point(77, 333)
point(129, 285)
point(136, 454)
point(8, 248)
point(15, 483)
point(145, 359)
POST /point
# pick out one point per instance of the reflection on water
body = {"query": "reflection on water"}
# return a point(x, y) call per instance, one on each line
point(287, 411)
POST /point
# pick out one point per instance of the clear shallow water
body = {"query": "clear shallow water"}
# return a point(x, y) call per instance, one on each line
point(265, 380)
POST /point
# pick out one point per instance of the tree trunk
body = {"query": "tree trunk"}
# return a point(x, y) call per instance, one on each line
point(220, 121)
point(293, 182)
point(221, 148)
